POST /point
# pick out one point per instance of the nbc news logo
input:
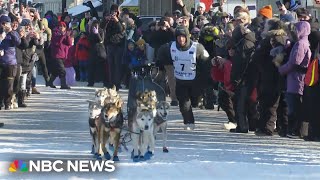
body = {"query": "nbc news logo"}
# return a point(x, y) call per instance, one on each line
point(18, 165)
point(61, 166)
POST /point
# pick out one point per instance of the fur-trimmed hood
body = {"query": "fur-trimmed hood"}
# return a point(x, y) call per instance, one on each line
point(277, 32)
point(279, 37)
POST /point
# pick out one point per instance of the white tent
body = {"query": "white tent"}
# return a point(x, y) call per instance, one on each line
point(130, 3)
point(81, 8)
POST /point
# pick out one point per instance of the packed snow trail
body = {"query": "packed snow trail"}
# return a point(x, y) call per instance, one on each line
point(55, 126)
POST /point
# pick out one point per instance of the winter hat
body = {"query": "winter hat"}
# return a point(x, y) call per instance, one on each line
point(114, 7)
point(61, 23)
point(183, 31)
point(266, 11)
point(130, 41)
point(293, 5)
point(5, 19)
point(195, 30)
point(224, 14)
point(4, 12)
point(201, 4)
point(178, 12)
point(229, 26)
point(125, 11)
point(210, 33)
point(140, 42)
point(303, 12)
point(275, 24)
point(25, 22)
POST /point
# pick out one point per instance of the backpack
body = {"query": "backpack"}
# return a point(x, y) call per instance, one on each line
point(312, 74)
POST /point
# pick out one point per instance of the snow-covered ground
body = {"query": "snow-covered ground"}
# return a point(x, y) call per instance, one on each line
point(55, 126)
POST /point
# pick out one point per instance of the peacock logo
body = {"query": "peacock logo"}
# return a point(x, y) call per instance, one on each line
point(18, 165)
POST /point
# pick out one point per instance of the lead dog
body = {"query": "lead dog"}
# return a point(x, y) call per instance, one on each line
point(143, 125)
point(142, 137)
point(102, 97)
point(160, 122)
point(110, 124)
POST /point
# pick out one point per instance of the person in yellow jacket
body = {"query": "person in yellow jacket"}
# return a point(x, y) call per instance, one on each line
point(84, 22)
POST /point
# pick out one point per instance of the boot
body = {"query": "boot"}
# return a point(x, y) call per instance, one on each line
point(188, 117)
point(47, 82)
point(1, 124)
point(21, 97)
point(64, 83)
point(50, 82)
point(1, 103)
point(35, 91)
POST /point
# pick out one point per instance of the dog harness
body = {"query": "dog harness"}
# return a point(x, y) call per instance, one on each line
point(159, 120)
point(184, 62)
point(113, 122)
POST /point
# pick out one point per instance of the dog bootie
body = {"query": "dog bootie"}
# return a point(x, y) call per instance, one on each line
point(132, 154)
point(107, 156)
point(148, 155)
point(116, 158)
point(142, 158)
point(136, 159)
point(165, 150)
point(97, 156)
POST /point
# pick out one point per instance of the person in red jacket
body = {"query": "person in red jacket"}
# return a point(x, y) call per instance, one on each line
point(60, 42)
point(82, 56)
point(69, 62)
point(220, 72)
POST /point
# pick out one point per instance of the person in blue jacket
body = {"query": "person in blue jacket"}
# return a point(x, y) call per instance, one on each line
point(8, 61)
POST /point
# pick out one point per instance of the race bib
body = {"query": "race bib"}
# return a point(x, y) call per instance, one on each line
point(184, 62)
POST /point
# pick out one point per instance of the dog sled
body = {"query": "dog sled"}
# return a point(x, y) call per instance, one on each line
point(142, 79)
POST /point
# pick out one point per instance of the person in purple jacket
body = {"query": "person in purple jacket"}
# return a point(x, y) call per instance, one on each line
point(8, 61)
point(61, 40)
point(295, 70)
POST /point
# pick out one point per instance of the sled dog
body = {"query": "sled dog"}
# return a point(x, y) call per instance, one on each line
point(160, 122)
point(111, 122)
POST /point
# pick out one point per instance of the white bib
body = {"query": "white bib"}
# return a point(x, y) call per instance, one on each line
point(184, 62)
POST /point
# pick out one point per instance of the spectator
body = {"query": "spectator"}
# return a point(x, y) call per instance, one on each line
point(97, 52)
point(82, 56)
point(243, 74)
point(29, 57)
point(299, 58)
point(220, 72)
point(8, 61)
point(115, 43)
point(60, 40)
point(286, 15)
point(84, 22)
point(68, 65)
